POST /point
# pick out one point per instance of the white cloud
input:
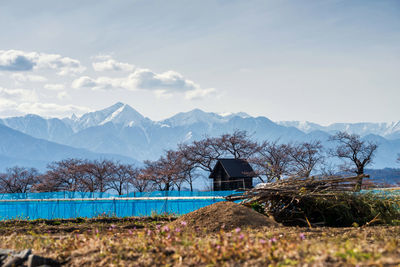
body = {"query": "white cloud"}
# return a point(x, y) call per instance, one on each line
point(112, 65)
point(6, 104)
point(54, 86)
point(16, 60)
point(63, 95)
point(19, 77)
point(50, 109)
point(101, 83)
point(199, 93)
point(148, 80)
point(18, 94)
point(162, 84)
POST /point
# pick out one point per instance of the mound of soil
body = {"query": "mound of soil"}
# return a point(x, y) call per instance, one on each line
point(222, 215)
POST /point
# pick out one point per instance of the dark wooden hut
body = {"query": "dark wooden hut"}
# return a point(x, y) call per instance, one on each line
point(232, 174)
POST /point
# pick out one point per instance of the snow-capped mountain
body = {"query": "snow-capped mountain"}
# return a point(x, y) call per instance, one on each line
point(198, 116)
point(120, 129)
point(118, 113)
point(389, 130)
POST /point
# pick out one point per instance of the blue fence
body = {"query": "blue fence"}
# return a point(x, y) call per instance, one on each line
point(74, 195)
point(65, 205)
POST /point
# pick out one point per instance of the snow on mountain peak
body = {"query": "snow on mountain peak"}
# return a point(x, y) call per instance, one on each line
point(119, 113)
point(192, 117)
point(124, 115)
point(234, 114)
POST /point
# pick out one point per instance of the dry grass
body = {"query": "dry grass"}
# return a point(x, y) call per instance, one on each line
point(149, 242)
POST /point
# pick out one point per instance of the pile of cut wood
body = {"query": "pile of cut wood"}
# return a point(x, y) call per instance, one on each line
point(297, 187)
point(313, 200)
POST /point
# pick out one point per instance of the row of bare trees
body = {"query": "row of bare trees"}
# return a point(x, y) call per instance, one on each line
point(270, 160)
point(74, 175)
point(177, 168)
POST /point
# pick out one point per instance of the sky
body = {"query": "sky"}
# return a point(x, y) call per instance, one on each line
point(320, 61)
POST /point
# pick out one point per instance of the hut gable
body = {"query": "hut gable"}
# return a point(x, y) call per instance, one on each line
point(238, 168)
point(231, 174)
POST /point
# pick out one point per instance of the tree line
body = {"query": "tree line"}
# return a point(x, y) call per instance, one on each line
point(271, 160)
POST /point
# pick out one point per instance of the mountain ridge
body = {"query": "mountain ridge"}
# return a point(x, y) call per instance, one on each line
point(120, 129)
point(17, 148)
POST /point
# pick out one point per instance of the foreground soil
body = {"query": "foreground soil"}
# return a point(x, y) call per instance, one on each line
point(224, 215)
point(155, 241)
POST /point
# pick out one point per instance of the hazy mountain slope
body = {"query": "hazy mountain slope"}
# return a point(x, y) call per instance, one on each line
point(50, 129)
point(112, 138)
point(17, 148)
point(387, 151)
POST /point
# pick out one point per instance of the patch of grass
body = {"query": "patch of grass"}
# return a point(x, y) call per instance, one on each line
point(149, 242)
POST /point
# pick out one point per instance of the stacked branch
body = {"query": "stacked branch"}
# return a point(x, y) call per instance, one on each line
point(320, 201)
point(298, 187)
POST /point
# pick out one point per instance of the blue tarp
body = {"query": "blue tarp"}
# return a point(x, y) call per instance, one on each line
point(72, 195)
point(38, 208)
point(90, 209)
point(46, 205)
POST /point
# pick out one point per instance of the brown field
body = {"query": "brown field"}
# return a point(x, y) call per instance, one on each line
point(151, 242)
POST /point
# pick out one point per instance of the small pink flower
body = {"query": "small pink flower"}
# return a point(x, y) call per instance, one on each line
point(168, 236)
point(273, 240)
point(158, 227)
point(218, 247)
point(97, 231)
point(177, 229)
point(262, 241)
point(241, 236)
point(148, 232)
point(302, 236)
point(113, 226)
point(183, 223)
point(130, 232)
point(165, 229)
point(237, 230)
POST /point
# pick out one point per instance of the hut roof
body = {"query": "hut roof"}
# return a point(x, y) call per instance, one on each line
point(238, 168)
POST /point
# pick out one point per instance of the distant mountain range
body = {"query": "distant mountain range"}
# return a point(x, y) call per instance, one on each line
point(120, 132)
point(17, 148)
point(388, 130)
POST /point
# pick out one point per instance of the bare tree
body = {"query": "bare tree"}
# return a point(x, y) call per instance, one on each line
point(140, 182)
point(305, 157)
point(328, 170)
point(189, 174)
point(351, 148)
point(122, 176)
point(87, 179)
point(103, 172)
point(18, 180)
point(64, 175)
point(202, 154)
point(272, 160)
point(163, 172)
point(172, 165)
point(237, 145)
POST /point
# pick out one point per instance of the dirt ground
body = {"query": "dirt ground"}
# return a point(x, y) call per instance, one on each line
point(224, 215)
point(157, 242)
